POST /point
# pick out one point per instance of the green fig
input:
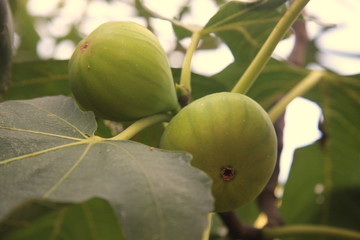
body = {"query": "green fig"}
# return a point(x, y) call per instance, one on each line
point(232, 139)
point(121, 72)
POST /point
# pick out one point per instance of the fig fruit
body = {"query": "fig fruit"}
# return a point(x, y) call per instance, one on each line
point(231, 139)
point(121, 72)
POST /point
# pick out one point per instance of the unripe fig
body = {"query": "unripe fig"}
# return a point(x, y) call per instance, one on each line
point(121, 72)
point(232, 139)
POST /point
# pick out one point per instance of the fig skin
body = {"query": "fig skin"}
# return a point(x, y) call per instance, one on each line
point(232, 139)
point(121, 72)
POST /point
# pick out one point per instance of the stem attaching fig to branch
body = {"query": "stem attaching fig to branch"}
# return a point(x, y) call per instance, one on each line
point(185, 78)
point(263, 56)
point(140, 125)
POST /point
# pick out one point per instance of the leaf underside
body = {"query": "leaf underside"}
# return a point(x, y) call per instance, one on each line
point(48, 150)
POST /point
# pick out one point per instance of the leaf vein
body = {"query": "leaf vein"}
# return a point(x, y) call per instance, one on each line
point(57, 224)
point(151, 187)
point(67, 174)
point(6, 161)
point(41, 133)
point(90, 220)
point(58, 117)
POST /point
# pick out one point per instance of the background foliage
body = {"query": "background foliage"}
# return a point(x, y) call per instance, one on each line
point(324, 181)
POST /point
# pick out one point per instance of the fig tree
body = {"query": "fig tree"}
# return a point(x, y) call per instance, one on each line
point(232, 139)
point(121, 72)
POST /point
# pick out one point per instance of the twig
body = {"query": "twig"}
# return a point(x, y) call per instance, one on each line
point(298, 53)
point(140, 125)
point(267, 201)
point(310, 230)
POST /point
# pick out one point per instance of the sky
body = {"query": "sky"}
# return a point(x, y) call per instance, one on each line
point(301, 117)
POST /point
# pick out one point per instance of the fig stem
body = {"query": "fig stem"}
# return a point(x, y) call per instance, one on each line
point(185, 77)
point(307, 230)
point(206, 233)
point(140, 125)
point(265, 52)
point(302, 87)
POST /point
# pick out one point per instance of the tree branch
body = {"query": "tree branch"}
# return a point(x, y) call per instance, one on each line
point(237, 229)
point(267, 201)
point(298, 53)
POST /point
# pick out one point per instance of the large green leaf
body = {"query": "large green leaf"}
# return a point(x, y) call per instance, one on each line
point(303, 191)
point(324, 182)
point(307, 199)
point(48, 149)
point(41, 219)
point(245, 26)
point(38, 78)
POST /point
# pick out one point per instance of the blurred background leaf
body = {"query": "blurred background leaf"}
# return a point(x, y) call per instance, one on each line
point(42, 219)
point(244, 27)
point(38, 78)
point(6, 45)
point(324, 178)
point(25, 28)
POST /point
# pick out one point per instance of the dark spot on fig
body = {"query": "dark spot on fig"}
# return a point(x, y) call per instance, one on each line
point(227, 173)
point(84, 46)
